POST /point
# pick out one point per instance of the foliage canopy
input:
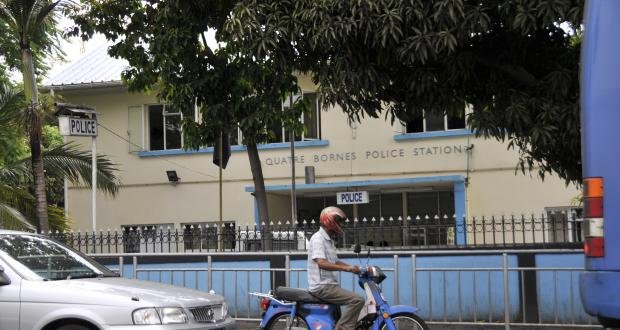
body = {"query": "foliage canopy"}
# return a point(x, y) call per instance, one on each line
point(513, 63)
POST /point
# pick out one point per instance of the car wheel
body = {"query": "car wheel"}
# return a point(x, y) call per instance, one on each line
point(73, 327)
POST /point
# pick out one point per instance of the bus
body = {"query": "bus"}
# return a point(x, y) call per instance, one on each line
point(599, 284)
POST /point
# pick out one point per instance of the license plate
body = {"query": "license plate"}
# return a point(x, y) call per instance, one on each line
point(372, 309)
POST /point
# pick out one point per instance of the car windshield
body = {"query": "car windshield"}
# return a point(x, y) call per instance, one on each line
point(49, 259)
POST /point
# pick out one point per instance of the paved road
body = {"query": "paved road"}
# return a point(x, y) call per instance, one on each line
point(247, 325)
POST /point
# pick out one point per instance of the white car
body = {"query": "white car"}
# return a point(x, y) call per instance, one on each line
point(45, 285)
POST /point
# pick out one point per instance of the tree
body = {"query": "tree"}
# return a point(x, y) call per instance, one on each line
point(510, 61)
point(60, 161)
point(166, 47)
point(31, 34)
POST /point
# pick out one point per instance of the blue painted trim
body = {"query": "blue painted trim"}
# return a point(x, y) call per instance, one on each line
point(365, 183)
point(430, 135)
point(459, 211)
point(235, 148)
point(298, 144)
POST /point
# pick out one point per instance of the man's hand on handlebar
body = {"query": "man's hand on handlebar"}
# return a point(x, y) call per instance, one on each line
point(354, 269)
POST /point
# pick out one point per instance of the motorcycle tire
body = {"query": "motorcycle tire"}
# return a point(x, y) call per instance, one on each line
point(406, 321)
point(279, 323)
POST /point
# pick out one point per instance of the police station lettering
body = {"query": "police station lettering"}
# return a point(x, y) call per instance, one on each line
point(379, 154)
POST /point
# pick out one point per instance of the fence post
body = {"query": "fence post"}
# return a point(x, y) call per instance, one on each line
point(121, 265)
point(210, 272)
point(414, 283)
point(287, 266)
point(396, 292)
point(506, 291)
point(135, 268)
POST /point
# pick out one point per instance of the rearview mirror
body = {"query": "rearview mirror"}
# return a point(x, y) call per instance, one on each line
point(4, 279)
point(357, 248)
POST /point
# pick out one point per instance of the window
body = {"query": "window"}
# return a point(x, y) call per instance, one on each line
point(280, 240)
point(164, 126)
point(432, 216)
point(201, 236)
point(563, 224)
point(311, 121)
point(145, 238)
point(435, 122)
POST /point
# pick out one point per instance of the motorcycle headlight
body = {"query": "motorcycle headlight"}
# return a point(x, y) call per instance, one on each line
point(164, 315)
point(378, 275)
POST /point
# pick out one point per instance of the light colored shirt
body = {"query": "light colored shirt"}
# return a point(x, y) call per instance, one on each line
point(321, 247)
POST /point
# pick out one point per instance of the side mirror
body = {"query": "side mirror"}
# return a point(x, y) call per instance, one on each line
point(357, 248)
point(4, 279)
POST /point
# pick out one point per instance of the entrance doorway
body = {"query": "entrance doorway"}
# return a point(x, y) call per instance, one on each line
point(391, 217)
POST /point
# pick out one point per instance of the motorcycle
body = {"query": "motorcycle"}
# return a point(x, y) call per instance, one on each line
point(297, 309)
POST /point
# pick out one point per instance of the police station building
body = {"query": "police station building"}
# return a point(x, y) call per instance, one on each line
point(432, 166)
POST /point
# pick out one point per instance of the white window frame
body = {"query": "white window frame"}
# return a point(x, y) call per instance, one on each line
point(164, 115)
point(316, 115)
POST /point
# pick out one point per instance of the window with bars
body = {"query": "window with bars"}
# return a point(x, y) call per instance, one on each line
point(143, 238)
point(432, 122)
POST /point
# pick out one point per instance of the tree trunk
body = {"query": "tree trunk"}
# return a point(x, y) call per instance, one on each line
point(34, 133)
point(260, 194)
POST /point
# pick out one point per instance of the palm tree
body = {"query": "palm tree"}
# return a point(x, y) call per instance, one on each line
point(66, 161)
point(31, 25)
point(17, 204)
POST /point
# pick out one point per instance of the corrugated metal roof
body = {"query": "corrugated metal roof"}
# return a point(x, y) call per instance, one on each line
point(94, 68)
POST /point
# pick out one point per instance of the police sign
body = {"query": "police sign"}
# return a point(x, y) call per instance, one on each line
point(352, 197)
point(77, 126)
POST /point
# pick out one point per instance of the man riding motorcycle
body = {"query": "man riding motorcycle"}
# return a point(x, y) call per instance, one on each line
point(324, 265)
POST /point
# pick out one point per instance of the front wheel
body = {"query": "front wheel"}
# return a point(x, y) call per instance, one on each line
point(281, 321)
point(406, 321)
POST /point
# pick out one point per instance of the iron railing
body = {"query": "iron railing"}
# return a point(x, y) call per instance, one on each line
point(411, 234)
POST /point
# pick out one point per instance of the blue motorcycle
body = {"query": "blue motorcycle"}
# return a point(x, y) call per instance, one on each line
point(297, 309)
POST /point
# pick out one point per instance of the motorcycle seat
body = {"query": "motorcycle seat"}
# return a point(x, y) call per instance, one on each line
point(295, 294)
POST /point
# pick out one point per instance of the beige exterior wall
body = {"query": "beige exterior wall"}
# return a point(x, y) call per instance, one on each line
point(366, 151)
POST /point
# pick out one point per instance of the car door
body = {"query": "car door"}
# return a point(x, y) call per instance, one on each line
point(9, 297)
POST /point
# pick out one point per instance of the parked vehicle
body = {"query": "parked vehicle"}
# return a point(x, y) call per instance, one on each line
point(297, 309)
point(599, 284)
point(47, 285)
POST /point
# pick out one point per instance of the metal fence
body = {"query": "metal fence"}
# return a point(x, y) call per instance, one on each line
point(491, 287)
point(545, 231)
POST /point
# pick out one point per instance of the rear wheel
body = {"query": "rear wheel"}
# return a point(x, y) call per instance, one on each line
point(281, 321)
point(406, 321)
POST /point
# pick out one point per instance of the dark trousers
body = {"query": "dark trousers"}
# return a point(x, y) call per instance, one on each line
point(336, 295)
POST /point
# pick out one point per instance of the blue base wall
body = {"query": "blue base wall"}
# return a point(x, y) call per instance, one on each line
point(458, 294)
